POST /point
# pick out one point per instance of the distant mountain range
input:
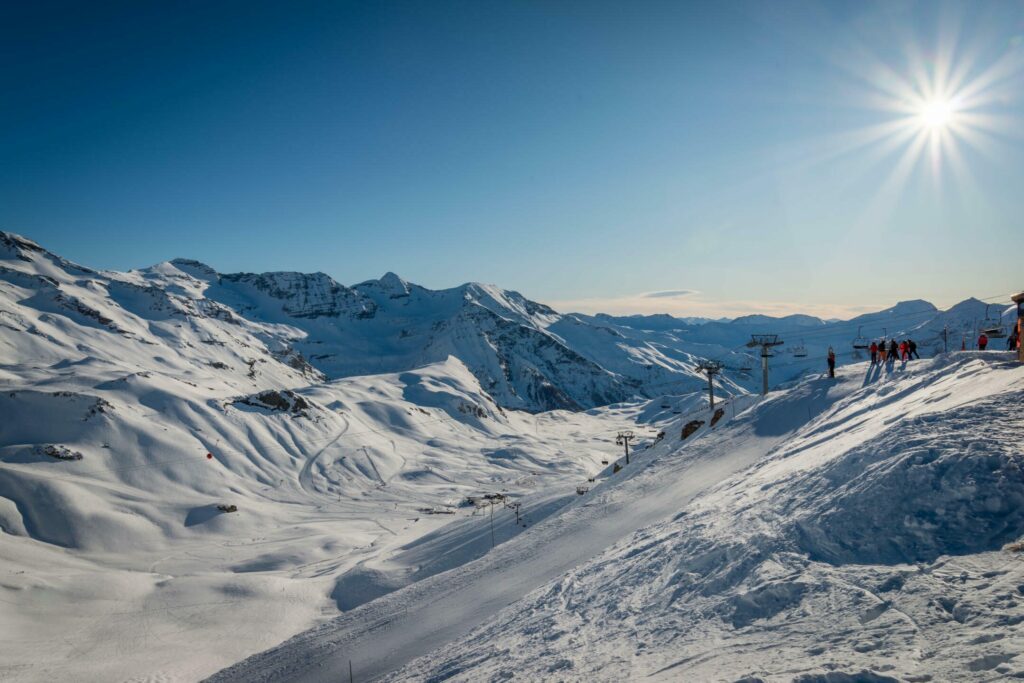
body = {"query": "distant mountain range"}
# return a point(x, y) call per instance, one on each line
point(300, 327)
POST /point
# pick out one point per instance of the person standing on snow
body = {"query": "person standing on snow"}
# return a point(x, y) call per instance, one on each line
point(881, 352)
point(1011, 343)
point(982, 341)
point(912, 346)
point(874, 352)
point(831, 362)
point(894, 350)
point(904, 351)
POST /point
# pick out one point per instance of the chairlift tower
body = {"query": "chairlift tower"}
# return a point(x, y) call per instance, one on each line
point(765, 341)
point(710, 368)
point(623, 438)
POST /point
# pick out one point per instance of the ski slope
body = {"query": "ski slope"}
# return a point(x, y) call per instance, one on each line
point(846, 527)
point(865, 546)
point(393, 629)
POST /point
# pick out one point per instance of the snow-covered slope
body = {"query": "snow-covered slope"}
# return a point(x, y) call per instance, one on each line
point(120, 564)
point(846, 530)
point(866, 546)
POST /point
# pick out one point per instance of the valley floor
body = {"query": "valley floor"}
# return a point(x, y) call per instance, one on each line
point(151, 582)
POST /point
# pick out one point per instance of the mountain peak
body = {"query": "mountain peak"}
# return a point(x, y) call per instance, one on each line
point(393, 284)
point(913, 306)
point(196, 269)
point(13, 240)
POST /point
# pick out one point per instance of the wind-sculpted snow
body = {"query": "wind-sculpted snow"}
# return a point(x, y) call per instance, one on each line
point(948, 497)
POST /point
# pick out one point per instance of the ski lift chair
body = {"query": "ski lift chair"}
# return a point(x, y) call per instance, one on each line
point(993, 327)
point(800, 351)
point(860, 341)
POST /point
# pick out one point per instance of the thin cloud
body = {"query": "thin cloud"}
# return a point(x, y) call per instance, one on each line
point(692, 304)
point(669, 293)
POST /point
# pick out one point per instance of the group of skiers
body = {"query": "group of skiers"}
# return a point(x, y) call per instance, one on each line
point(883, 351)
point(893, 351)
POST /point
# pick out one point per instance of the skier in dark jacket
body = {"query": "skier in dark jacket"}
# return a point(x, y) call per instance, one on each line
point(894, 351)
point(831, 362)
point(1011, 343)
point(912, 346)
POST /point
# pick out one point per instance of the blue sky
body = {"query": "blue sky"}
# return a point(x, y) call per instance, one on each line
point(749, 157)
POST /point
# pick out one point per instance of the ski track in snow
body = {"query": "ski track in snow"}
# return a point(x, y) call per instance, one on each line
point(382, 635)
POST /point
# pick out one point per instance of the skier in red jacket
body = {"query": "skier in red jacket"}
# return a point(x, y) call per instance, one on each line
point(982, 341)
point(904, 351)
point(874, 352)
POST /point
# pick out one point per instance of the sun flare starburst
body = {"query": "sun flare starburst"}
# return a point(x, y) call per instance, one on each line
point(944, 106)
point(937, 113)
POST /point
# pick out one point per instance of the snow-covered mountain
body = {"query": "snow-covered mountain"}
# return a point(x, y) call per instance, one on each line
point(390, 325)
point(172, 471)
point(525, 355)
point(185, 453)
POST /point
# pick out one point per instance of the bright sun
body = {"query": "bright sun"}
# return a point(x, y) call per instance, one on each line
point(937, 101)
point(937, 113)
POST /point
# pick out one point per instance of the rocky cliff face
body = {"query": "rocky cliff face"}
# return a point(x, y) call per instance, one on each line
point(312, 295)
